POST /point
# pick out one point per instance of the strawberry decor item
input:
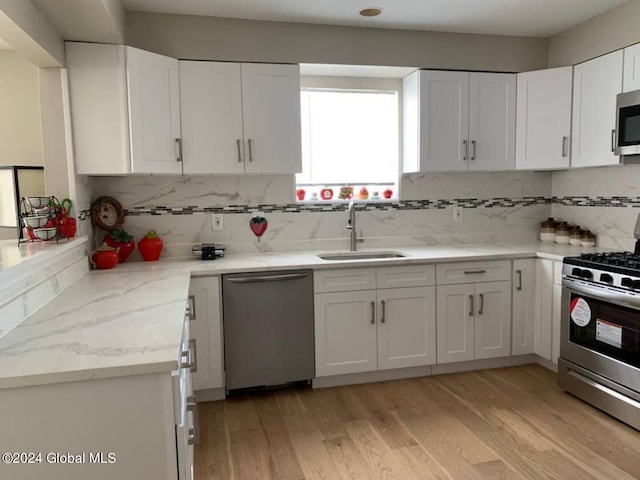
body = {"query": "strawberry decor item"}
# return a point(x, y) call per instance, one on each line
point(345, 193)
point(326, 194)
point(363, 194)
point(122, 240)
point(300, 193)
point(387, 193)
point(258, 225)
point(150, 246)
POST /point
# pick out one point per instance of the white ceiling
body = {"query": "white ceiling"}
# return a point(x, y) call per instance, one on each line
point(539, 18)
point(4, 45)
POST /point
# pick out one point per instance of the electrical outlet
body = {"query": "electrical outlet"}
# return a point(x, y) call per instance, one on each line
point(217, 223)
point(457, 214)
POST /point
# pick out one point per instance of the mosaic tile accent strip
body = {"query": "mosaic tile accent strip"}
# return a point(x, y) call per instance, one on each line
point(598, 201)
point(339, 207)
point(84, 215)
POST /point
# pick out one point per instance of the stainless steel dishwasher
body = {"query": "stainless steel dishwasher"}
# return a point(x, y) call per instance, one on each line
point(268, 328)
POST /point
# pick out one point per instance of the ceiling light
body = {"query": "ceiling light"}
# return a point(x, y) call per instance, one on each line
point(371, 12)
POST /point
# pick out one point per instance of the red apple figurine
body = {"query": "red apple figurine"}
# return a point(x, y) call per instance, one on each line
point(300, 193)
point(326, 194)
point(387, 193)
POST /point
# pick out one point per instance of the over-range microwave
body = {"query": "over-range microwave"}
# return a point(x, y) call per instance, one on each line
point(627, 140)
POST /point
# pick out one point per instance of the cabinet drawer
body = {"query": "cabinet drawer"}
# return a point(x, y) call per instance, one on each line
point(471, 272)
point(325, 281)
point(410, 276)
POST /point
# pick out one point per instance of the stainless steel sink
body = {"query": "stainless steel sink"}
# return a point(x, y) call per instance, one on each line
point(360, 255)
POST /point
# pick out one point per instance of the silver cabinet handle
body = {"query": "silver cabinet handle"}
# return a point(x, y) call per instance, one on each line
point(239, 154)
point(373, 313)
point(179, 149)
point(466, 150)
point(613, 140)
point(519, 280)
point(269, 278)
point(193, 433)
point(191, 308)
point(474, 272)
point(480, 310)
point(565, 143)
point(471, 305)
point(383, 308)
point(473, 144)
point(250, 151)
point(194, 350)
point(190, 355)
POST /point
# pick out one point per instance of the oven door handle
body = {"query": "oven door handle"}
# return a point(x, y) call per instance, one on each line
point(603, 294)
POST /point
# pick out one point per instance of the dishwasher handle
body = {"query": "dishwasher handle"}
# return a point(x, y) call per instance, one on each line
point(269, 278)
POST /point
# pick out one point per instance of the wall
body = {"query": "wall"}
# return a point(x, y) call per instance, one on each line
point(20, 127)
point(605, 33)
point(211, 38)
point(504, 206)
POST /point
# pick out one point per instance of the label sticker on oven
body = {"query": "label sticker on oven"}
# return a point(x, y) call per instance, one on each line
point(580, 312)
point(609, 333)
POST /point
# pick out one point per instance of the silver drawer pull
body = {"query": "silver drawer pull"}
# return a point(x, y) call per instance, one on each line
point(373, 313)
point(466, 150)
point(179, 149)
point(191, 308)
point(188, 358)
point(473, 155)
point(481, 309)
point(565, 141)
point(613, 140)
point(383, 308)
point(474, 272)
point(519, 280)
point(250, 151)
point(471, 305)
point(239, 155)
point(193, 433)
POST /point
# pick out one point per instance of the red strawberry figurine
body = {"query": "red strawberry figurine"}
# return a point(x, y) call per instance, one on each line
point(150, 246)
point(122, 240)
point(258, 225)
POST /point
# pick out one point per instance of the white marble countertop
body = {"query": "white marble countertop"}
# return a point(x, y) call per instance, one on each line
point(128, 320)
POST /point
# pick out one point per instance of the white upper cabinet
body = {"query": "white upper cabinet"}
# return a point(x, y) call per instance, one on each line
point(125, 110)
point(211, 110)
point(458, 121)
point(492, 121)
point(154, 112)
point(544, 119)
point(271, 113)
point(240, 118)
point(631, 68)
point(595, 86)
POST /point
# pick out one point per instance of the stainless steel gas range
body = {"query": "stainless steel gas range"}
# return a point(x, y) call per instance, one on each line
point(600, 337)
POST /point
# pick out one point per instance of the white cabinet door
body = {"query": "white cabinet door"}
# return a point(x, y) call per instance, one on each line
point(595, 86)
point(154, 112)
point(444, 121)
point(206, 329)
point(271, 115)
point(543, 310)
point(631, 68)
point(492, 121)
point(543, 119)
point(493, 320)
point(406, 327)
point(211, 113)
point(345, 332)
point(524, 306)
point(556, 312)
point(455, 323)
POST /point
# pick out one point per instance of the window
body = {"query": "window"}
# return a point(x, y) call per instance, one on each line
point(350, 144)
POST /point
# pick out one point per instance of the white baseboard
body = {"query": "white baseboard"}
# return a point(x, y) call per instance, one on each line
point(546, 363)
point(210, 394)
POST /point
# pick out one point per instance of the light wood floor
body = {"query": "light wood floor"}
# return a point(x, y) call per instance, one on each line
point(491, 424)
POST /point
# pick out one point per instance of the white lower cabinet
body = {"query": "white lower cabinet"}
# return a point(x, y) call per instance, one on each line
point(473, 321)
point(206, 330)
point(374, 329)
point(473, 302)
point(524, 306)
point(548, 295)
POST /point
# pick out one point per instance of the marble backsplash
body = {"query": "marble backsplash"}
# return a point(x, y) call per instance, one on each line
point(614, 220)
point(505, 206)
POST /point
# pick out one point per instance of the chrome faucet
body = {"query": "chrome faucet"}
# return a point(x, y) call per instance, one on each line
point(351, 225)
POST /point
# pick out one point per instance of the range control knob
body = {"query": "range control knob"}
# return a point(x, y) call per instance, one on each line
point(587, 274)
point(605, 277)
point(635, 284)
point(626, 282)
point(576, 272)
